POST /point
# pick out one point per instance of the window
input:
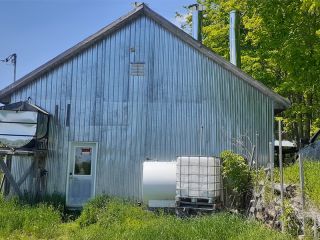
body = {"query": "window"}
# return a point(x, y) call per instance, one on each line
point(83, 159)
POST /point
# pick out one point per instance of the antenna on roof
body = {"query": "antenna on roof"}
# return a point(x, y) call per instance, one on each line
point(137, 4)
point(13, 60)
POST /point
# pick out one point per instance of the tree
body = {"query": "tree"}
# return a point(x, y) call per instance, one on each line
point(280, 46)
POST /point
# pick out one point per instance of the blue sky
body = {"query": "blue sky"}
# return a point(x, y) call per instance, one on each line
point(38, 30)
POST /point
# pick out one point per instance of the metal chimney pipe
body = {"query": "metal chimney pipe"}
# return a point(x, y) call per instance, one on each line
point(234, 38)
point(197, 21)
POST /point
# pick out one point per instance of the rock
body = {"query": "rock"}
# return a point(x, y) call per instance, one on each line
point(259, 216)
point(235, 211)
point(269, 223)
point(291, 190)
point(259, 206)
point(252, 209)
point(277, 224)
point(272, 213)
point(288, 190)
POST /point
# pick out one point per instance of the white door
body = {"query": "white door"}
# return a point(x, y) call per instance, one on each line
point(81, 173)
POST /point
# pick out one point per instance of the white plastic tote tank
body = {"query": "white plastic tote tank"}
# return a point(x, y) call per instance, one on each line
point(198, 177)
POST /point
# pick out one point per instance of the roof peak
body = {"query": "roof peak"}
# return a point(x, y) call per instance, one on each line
point(139, 4)
point(141, 8)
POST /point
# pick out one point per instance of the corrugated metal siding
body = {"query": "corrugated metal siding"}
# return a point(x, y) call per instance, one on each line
point(19, 169)
point(157, 116)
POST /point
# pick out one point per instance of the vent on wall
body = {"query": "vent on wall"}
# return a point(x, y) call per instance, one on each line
point(137, 69)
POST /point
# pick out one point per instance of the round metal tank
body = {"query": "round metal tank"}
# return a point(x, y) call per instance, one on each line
point(159, 181)
point(17, 128)
point(21, 123)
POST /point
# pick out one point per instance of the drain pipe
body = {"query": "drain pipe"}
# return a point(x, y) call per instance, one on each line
point(234, 38)
point(197, 10)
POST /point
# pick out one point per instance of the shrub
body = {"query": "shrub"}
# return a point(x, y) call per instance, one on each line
point(92, 210)
point(120, 212)
point(106, 212)
point(235, 172)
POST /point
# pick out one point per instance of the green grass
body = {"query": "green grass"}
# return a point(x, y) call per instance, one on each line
point(105, 218)
point(312, 179)
point(37, 222)
point(116, 219)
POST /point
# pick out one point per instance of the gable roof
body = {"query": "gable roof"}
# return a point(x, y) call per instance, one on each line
point(281, 103)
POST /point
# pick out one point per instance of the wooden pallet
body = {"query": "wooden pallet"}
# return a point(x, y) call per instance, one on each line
point(198, 203)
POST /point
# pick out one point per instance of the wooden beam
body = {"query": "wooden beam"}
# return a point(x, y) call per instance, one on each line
point(6, 151)
point(10, 178)
point(3, 177)
point(16, 152)
point(2, 183)
point(8, 161)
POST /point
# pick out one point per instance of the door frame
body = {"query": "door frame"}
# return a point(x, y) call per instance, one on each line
point(71, 146)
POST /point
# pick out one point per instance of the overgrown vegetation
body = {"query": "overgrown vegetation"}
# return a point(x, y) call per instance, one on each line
point(237, 179)
point(312, 180)
point(235, 171)
point(41, 221)
point(110, 218)
point(260, 178)
point(106, 218)
point(312, 190)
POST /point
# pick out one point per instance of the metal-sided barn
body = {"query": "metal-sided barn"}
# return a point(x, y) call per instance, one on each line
point(140, 89)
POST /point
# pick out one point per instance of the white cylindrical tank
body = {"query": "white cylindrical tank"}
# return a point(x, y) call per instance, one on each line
point(17, 128)
point(159, 181)
point(23, 125)
point(198, 177)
